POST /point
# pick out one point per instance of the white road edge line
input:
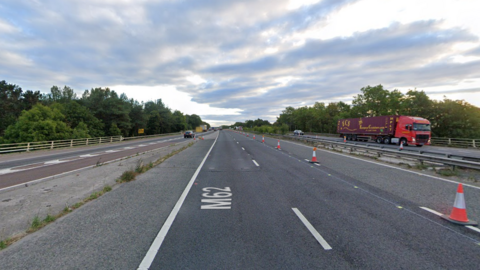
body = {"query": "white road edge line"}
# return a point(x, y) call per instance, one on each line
point(157, 243)
point(389, 166)
point(243, 148)
point(64, 173)
point(440, 214)
point(432, 211)
point(312, 230)
point(255, 163)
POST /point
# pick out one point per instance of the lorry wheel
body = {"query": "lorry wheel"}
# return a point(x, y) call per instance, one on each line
point(386, 140)
point(379, 140)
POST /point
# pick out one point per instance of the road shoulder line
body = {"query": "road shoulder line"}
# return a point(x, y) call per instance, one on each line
point(157, 243)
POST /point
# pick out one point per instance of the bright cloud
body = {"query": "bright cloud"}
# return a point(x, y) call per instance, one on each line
point(236, 60)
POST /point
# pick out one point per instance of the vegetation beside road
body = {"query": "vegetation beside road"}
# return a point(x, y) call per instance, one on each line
point(29, 116)
point(37, 223)
point(449, 118)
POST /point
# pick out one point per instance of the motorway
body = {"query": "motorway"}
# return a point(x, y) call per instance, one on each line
point(22, 168)
point(473, 154)
point(231, 202)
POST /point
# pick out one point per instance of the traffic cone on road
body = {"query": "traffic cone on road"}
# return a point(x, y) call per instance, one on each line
point(344, 139)
point(203, 138)
point(278, 145)
point(314, 157)
point(401, 146)
point(459, 211)
point(247, 134)
point(254, 136)
point(263, 139)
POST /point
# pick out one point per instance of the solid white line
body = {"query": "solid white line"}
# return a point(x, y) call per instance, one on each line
point(432, 211)
point(473, 228)
point(243, 148)
point(64, 173)
point(440, 214)
point(389, 166)
point(157, 243)
point(312, 230)
point(255, 162)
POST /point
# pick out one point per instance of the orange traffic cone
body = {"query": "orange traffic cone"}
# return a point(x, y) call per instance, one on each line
point(278, 145)
point(247, 134)
point(459, 211)
point(254, 136)
point(314, 157)
point(203, 138)
point(401, 146)
point(263, 139)
point(344, 139)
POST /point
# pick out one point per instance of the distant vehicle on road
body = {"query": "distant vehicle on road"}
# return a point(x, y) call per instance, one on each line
point(297, 132)
point(188, 134)
point(386, 129)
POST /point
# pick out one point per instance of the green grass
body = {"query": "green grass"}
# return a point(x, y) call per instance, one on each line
point(127, 176)
point(448, 172)
point(49, 219)
point(36, 223)
point(107, 189)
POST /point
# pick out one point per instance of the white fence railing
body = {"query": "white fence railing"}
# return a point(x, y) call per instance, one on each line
point(49, 145)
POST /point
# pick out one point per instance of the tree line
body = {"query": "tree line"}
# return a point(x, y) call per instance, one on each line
point(449, 118)
point(28, 116)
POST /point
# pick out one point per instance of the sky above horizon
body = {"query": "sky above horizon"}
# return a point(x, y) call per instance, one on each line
point(230, 61)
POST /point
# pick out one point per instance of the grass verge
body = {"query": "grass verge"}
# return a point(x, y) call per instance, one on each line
point(127, 176)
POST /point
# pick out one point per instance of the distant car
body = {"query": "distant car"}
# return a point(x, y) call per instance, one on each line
point(188, 134)
point(297, 132)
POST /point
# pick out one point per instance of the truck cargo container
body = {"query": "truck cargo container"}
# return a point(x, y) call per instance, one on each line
point(204, 128)
point(386, 129)
point(198, 129)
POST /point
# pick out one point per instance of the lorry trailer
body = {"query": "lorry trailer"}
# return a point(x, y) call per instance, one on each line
point(386, 129)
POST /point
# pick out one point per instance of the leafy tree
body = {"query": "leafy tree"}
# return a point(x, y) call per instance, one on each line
point(76, 114)
point(10, 104)
point(41, 123)
point(114, 130)
point(193, 121)
point(80, 131)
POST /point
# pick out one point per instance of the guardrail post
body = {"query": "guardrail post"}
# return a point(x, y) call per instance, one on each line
point(51, 147)
point(473, 143)
point(87, 142)
point(449, 141)
point(71, 143)
point(121, 138)
point(100, 141)
point(28, 147)
point(111, 139)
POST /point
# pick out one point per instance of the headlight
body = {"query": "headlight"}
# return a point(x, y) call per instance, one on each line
point(413, 139)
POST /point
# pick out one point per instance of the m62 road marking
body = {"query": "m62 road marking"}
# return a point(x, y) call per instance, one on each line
point(217, 198)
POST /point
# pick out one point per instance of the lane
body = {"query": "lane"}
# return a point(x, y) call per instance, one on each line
point(115, 230)
point(21, 159)
point(425, 190)
point(73, 161)
point(472, 152)
point(366, 227)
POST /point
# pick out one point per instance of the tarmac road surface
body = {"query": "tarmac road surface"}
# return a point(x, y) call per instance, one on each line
point(232, 202)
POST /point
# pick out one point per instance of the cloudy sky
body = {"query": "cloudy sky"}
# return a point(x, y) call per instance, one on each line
point(232, 61)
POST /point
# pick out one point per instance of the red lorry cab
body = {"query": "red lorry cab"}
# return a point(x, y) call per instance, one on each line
point(387, 129)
